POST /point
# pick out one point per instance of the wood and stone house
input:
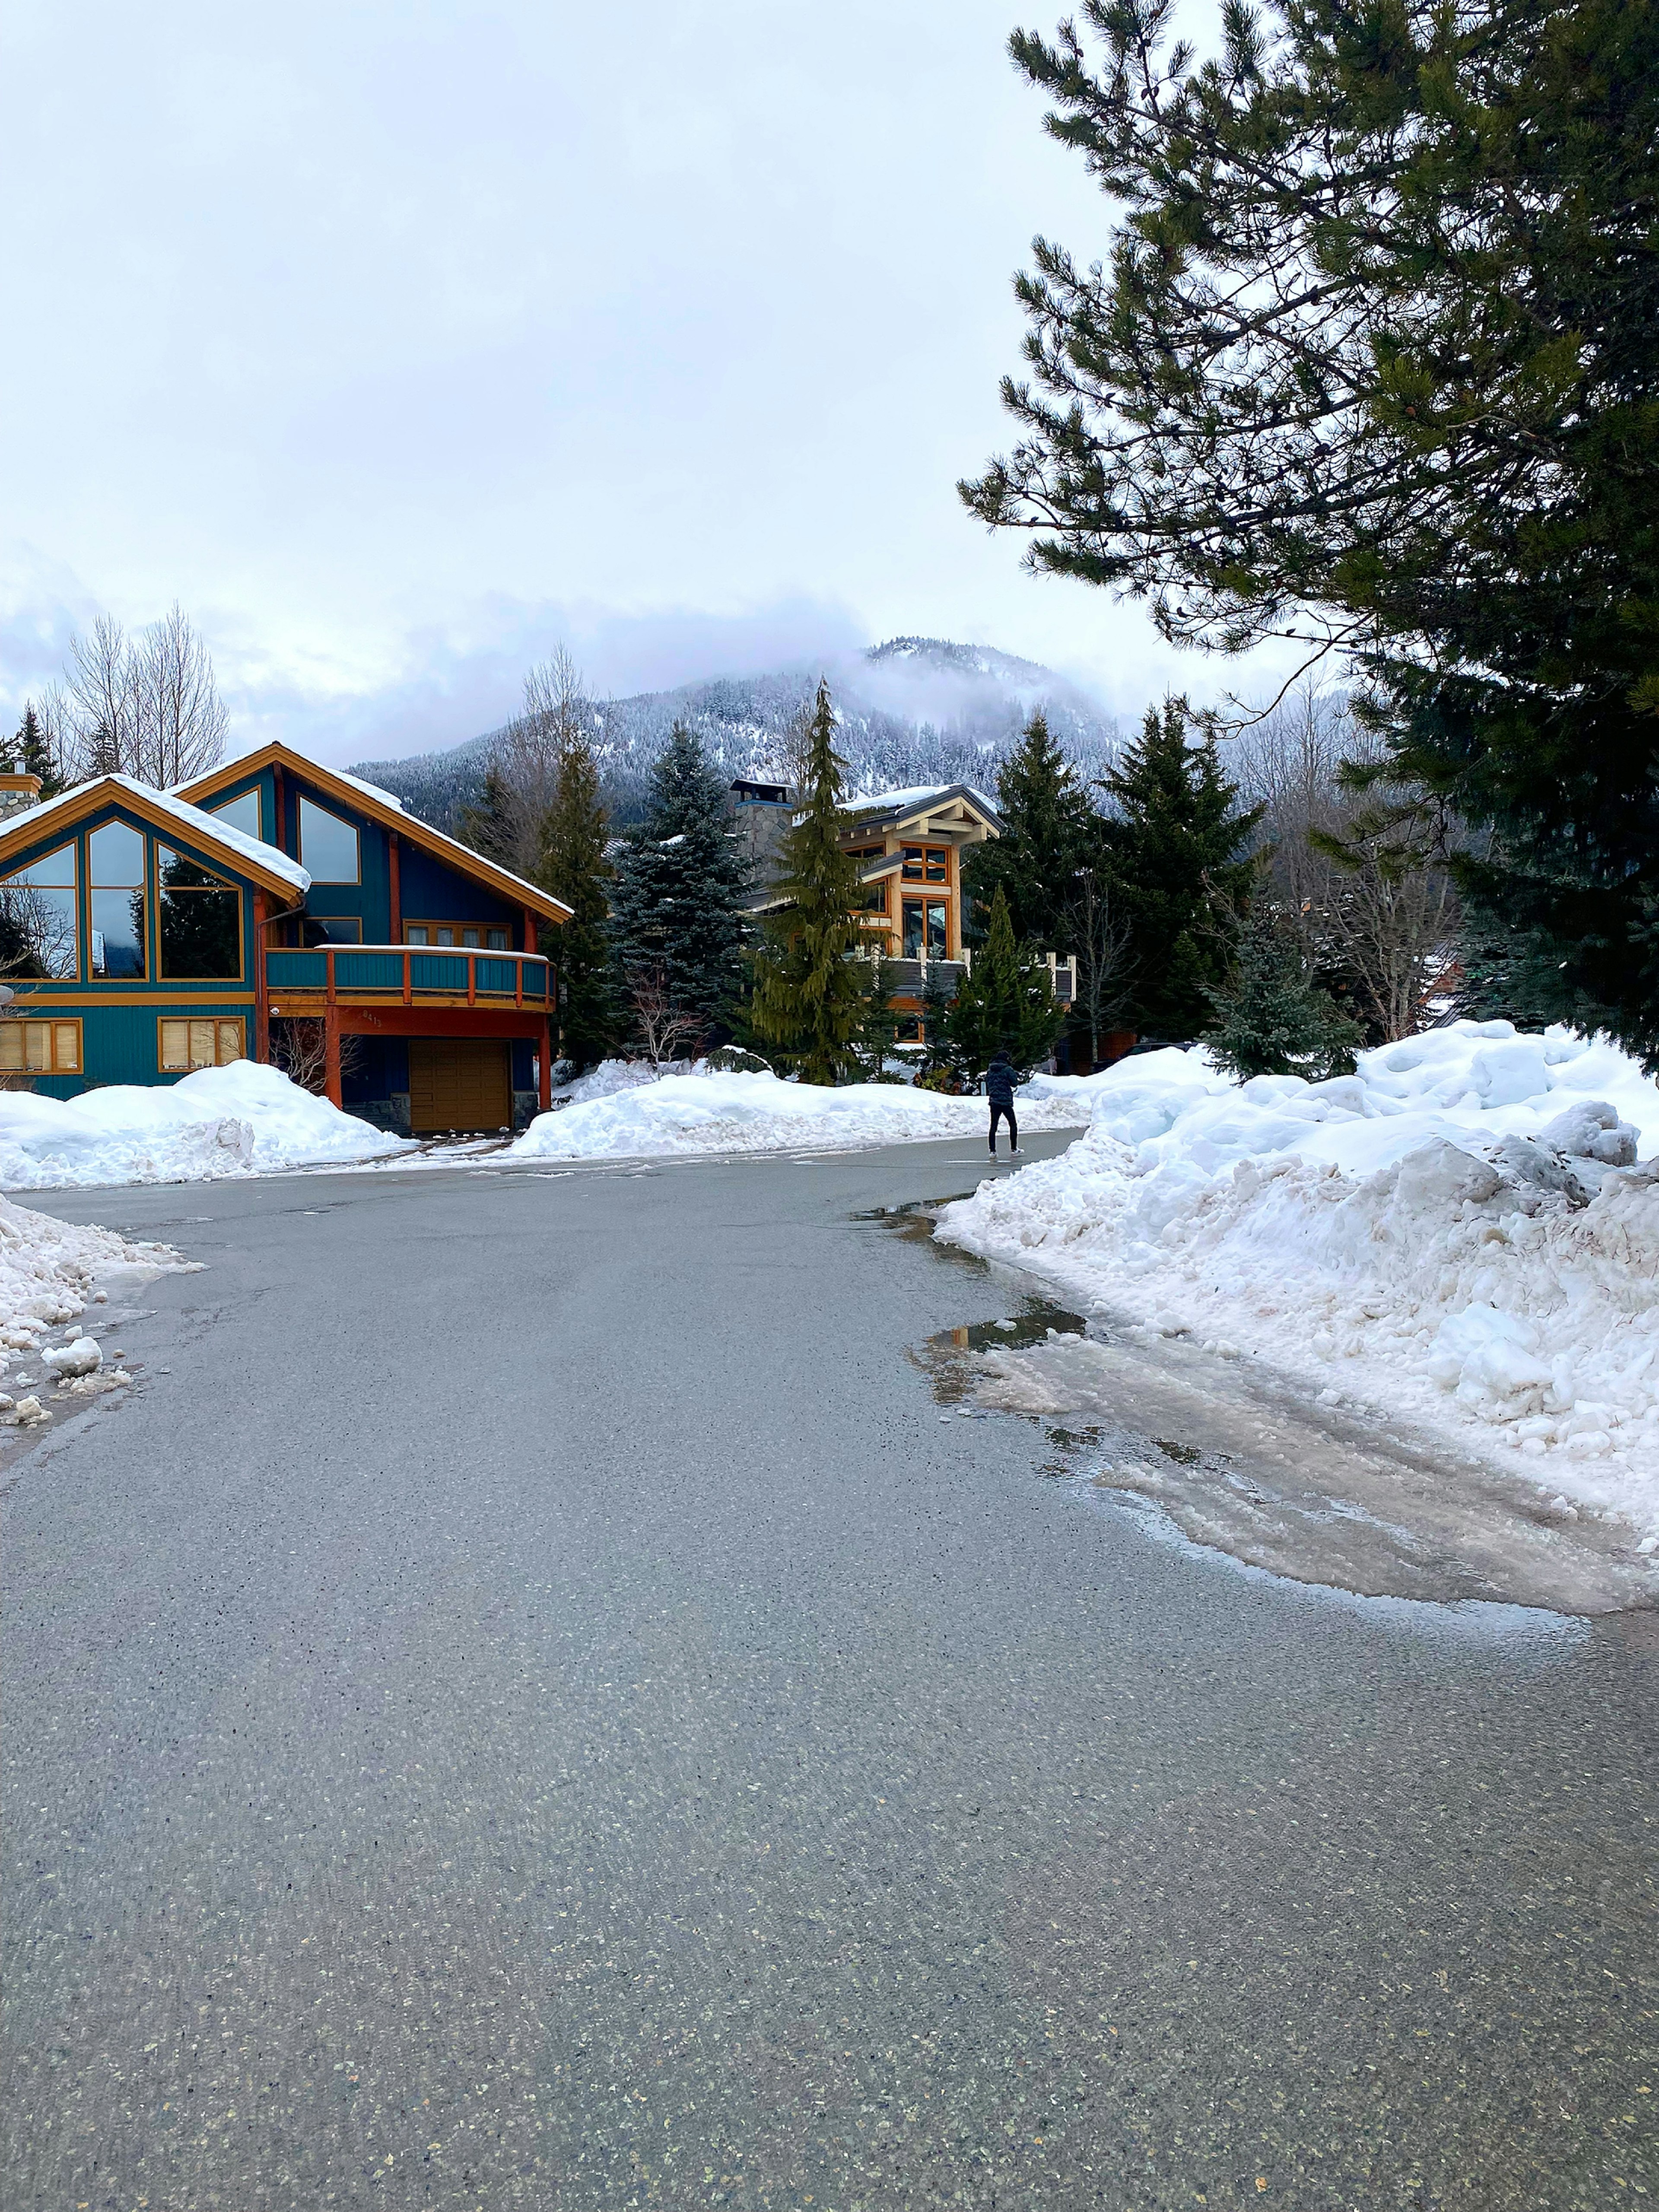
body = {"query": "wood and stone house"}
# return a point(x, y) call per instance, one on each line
point(147, 933)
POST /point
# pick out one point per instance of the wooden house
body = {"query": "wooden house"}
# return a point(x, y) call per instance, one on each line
point(148, 933)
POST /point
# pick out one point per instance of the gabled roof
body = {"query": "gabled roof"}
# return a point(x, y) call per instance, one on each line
point(261, 863)
point(895, 808)
point(380, 806)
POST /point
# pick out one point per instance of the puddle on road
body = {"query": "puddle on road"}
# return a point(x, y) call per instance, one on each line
point(1224, 1455)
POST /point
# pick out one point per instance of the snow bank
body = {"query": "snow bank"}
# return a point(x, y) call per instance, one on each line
point(47, 1272)
point(236, 1120)
point(745, 1112)
point(1459, 1230)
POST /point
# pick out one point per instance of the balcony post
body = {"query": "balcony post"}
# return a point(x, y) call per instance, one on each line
point(331, 1035)
point(409, 987)
point(529, 931)
point(544, 1086)
point(518, 982)
point(472, 979)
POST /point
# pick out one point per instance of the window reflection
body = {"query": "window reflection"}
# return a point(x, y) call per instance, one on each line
point(201, 921)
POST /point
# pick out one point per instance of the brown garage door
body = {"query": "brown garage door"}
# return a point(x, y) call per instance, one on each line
point(458, 1083)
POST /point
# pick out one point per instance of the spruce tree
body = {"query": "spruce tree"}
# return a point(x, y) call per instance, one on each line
point(1173, 853)
point(1005, 1003)
point(1049, 830)
point(490, 825)
point(34, 755)
point(573, 867)
point(811, 999)
point(680, 905)
point(1270, 1017)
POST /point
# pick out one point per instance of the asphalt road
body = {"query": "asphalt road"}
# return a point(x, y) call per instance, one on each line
point(530, 1704)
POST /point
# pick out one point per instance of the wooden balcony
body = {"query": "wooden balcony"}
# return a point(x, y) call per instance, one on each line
point(414, 976)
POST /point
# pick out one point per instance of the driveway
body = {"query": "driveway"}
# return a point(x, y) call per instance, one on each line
point(533, 1701)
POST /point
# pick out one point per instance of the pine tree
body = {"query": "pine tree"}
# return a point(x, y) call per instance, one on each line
point(34, 755)
point(573, 867)
point(1173, 856)
point(810, 1000)
point(680, 904)
point(1049, 830)
point(1271, 1019)
point(489, 827)
point(1005, 1003)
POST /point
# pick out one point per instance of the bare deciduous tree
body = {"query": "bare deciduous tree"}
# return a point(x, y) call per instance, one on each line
point(668, 1032)
point(146, 707)
point(300, 1048)
point(1361, 875)
point(1100, 939)
point(527, 754)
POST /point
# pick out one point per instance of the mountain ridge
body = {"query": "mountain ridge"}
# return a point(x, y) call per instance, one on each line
point(911, 710)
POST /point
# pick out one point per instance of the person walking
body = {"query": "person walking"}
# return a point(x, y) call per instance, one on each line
point(999, 1080)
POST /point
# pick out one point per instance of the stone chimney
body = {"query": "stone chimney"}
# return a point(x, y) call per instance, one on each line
point(17, 793)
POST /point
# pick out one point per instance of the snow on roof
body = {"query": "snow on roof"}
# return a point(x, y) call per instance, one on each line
point(204, 828)
point(899, 802)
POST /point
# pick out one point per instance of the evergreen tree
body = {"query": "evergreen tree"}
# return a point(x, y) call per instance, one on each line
point(1271, 1019)
point(34, 753)
point(573, 867)
point(1049, 830)
point(680, 905)
point(811, 999)
point(1432, 445)
point(490, 826)
point(937, 996)
point(1173, 856)
point(1004, 1002)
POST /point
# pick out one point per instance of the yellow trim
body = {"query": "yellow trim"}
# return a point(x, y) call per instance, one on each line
point(117, 997)
point(361, 801)
point(75, 806)
point(219, 1021)
point(53, 1023)
point(303, 1004)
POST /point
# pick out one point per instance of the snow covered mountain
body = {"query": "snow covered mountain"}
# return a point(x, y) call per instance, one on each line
point(915, 710)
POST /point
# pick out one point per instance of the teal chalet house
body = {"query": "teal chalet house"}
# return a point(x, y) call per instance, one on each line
point(147, 933)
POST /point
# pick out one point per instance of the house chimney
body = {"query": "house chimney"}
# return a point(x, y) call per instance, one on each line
point(17, 793)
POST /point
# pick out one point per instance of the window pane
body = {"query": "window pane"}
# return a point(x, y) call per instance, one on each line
point(912, 940)
point(175, 1046)
point(56, 869)
point(11, 1043)
point(40, 929)
point(446, 936)
point(230, 1042)
point(69, 1048)
point(936, 929)
point(912, 869)
point(936, 868)
point(470, 939)
point(242, 813)
point(115, 856)
point(416, 933)
point(328, 846)
point(336, 928)
point(200, 917)
point(37, 1045)
point(496, 940)
point(118, 932)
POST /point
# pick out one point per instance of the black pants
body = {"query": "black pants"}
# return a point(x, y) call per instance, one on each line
point(1004, 1114)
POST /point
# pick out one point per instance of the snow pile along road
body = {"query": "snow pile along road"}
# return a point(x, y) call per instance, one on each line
point(236, 1120)
point(47, 1272)
point(751, 1113)
point(1460, 1231)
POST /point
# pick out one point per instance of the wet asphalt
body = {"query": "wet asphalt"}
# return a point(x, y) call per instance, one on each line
point(532, 1702)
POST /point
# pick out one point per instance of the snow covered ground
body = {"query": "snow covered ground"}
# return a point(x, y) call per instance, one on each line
point(1460, 1231)
point(721, 1113)
point(49, 1273)
point(237, 1121)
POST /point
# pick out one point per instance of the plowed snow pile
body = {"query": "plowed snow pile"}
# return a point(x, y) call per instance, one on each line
point(237, 1121)
point(720, 1113)
point(1460, 1231)
point(47, 1272)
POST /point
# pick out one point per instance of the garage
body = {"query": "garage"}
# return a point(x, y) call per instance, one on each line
point(458, 1083)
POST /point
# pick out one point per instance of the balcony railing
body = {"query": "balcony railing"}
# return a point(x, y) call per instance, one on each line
point(404, 975)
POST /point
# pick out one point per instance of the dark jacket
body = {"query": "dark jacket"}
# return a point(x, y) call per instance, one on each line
point(1000, 1081)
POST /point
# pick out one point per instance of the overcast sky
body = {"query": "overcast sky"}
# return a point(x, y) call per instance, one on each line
point(399, 341)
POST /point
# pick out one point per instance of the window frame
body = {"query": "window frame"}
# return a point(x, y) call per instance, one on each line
point(89, 889)
point(925, 856)
point(223, 881)
point(220, 1022)
point(256, 792)
point(427, 921)
point(20, 1024)
point(329, 881)
point(921, 905)
point(76, 888)
point(337, 921)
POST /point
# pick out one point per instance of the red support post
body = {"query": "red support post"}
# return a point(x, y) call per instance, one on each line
point(261, 994)
point(545, 1091)
point(529, 931)
point(472, 979)
point(409, 987)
